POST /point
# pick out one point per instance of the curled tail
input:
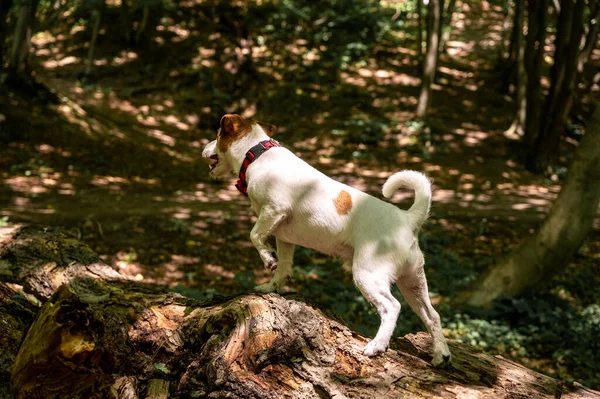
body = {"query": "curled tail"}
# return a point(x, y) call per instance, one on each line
point(422, 187)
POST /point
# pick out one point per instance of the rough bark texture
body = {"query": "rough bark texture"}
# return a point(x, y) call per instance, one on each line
point(43, 258)
point(550, 250)
point(108, 338)
point(16, 314)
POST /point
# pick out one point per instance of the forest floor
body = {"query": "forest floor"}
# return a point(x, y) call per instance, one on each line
point(118, 159)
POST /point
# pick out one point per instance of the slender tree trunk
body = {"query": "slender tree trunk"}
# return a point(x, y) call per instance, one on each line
point(19, 54)
point(447, 24)
point(591, 37)
point(142, 26)
point(5, 6)
point(549, 251)
point(95, 20)
point(420, 30)
point(504, 52)
point(534, 59)
point(518, 125)
point(564, 72)
point(508, 56)
point(434, 12)
point(125, 21)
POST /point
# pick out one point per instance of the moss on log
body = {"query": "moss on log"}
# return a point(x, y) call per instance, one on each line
point(104, 337)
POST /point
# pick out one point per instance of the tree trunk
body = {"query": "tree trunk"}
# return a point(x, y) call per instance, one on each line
point(434, 13)
point(550, 250)
point(534, 59)
point(5, 6)
point(591, 37)
point(96, 18)
point(125, 21)
point(142, 26)
point(19, 54)
point(102, 337)
point(564, 72)
point(508, 55)
point(447, 24)
point(420, 30)
point(518, 125)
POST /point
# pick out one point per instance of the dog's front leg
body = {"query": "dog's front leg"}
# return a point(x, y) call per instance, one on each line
point(267, 221)
point(285, 256)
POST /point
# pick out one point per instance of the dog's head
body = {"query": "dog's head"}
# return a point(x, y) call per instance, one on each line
point(233, 128)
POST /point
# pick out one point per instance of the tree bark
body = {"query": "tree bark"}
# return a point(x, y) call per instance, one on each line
point(434, 14)
point(534, 59)
point(142, 26)
point(518, 125)
point(110, 338)
point(16, 314)
point(19, 54)
point(5, 6)
point(93, 339)
point(96, 18)
point(591, 37)
point(41, 259)
point(420, 30)
point(550, 250)
point(125, 21)
point(563, 74)
point(447, 23)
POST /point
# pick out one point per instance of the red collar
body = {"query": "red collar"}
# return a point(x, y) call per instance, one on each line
point(251, 156)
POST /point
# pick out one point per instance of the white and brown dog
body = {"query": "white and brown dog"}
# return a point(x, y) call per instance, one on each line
point(299, 205)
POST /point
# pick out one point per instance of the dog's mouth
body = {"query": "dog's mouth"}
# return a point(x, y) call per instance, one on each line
point(214, 160)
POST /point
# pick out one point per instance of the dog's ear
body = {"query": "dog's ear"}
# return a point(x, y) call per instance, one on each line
point(233, 125)
point(233, 128)
point(269, 129)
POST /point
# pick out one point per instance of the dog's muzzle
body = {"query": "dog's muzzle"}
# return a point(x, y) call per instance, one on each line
point(214, 160)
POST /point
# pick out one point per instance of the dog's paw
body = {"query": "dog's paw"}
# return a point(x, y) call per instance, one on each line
point(441, 360)
point(266, 288)
point(374, 348)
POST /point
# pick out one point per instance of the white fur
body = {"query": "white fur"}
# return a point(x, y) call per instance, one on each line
point(377, 241)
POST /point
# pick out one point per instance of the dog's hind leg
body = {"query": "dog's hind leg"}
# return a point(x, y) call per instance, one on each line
point(413, 286)
point(285, 256)
point(376, 288)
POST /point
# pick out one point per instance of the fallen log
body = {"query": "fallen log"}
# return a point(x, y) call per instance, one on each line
point(16, 314)
point(41, 259)
point(103, 337)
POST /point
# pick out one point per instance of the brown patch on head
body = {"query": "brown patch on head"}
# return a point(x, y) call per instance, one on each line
point(343, 203)
point(233, 128)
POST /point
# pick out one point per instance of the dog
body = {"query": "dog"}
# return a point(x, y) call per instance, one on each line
point(299, 205)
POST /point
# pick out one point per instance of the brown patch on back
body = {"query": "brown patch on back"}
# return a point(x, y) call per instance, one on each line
point(343, 203)
point(233, 128)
